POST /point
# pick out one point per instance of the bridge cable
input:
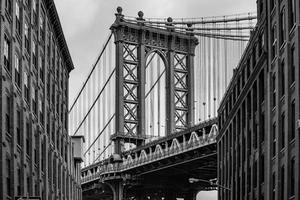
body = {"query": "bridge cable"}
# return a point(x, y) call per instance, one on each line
point(100, 133)
point(102, 151)
point(224, 20)
point(203, 29)
point(158, 79)
point(95, 101)
point(95, 65)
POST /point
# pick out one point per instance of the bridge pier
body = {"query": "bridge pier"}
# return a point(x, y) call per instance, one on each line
point(117, 190)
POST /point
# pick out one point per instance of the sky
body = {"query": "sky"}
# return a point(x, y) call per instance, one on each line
point(86, 23)
point(86, 26)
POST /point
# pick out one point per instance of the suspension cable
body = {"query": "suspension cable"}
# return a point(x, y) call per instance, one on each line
point(100, 133)
point(111, 74)
point(102, 152)
point(167, 26)
point(90, 74)
point(220, 35)
point(223, 38)
point(155, 83)
point(212, 21)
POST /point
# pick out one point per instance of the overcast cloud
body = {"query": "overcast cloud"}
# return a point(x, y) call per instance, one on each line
point(86, 25)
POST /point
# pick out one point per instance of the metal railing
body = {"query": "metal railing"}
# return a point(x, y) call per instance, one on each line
point(143, 159)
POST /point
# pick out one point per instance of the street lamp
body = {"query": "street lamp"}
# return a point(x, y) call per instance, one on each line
point(212, 182)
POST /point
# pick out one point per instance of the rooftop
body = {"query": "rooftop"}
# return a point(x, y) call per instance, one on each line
point(54, 19)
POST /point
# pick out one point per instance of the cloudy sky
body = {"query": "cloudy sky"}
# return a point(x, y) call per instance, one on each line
point(86, 23)
point(86, 26)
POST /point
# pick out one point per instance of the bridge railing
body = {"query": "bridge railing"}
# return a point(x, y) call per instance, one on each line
point(170, 149)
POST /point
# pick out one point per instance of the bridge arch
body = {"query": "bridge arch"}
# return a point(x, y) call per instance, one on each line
point(175, 146)
point(158, 151)
point(155, 94)
point(193, 138)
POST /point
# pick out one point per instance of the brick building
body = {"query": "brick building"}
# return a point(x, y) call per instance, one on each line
point(37, 155)
point(258, 143)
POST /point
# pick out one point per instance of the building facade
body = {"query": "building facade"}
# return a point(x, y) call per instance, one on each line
point(258, 143)
point(37, 155)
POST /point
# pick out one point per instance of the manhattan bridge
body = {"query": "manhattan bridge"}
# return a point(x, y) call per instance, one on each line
point(148, 107)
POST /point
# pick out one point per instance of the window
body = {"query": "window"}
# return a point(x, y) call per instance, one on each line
point(53, 132)
point(274, 140)
point(36, 150)
point(273, 186)
point(282, 130)
point(48, 85)
point(293, 120)
point(26, 87)
point(48, 43)
point(53, 92)
point(18, 127)
point(66, 153)
point(62, 146)
point(255, 174)
point(34, 56)
point(282, 70)
point(57, 139)
point(28, 184)
point(7, 115)
point(41, 67)
point(282, 27)
point(292, 18)
point(18, 20)
point(274, 90)
point(293, 65)
point(19, 178)
point(248, 179)
point(33, 93)
point(41, 111)
point(262, 169)
point(27, 137)
point(17, 71)
point(292, 179)
point(57, 71)
point(26, 34)
point(8, 180)
point(282, 183)
point(7, 53)
point(42, 25)
point(57, 103)
point(34, 6)
point(36, 188)
point(273, 41)
point(43, 155)
point(54, 171)
point(49, 166)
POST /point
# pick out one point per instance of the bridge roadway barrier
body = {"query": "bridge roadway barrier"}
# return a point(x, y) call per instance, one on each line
point(163, 148)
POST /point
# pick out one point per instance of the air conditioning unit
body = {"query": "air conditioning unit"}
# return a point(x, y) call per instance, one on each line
point(77, 141)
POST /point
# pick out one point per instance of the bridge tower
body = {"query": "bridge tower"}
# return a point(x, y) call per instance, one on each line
point(134, 42)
